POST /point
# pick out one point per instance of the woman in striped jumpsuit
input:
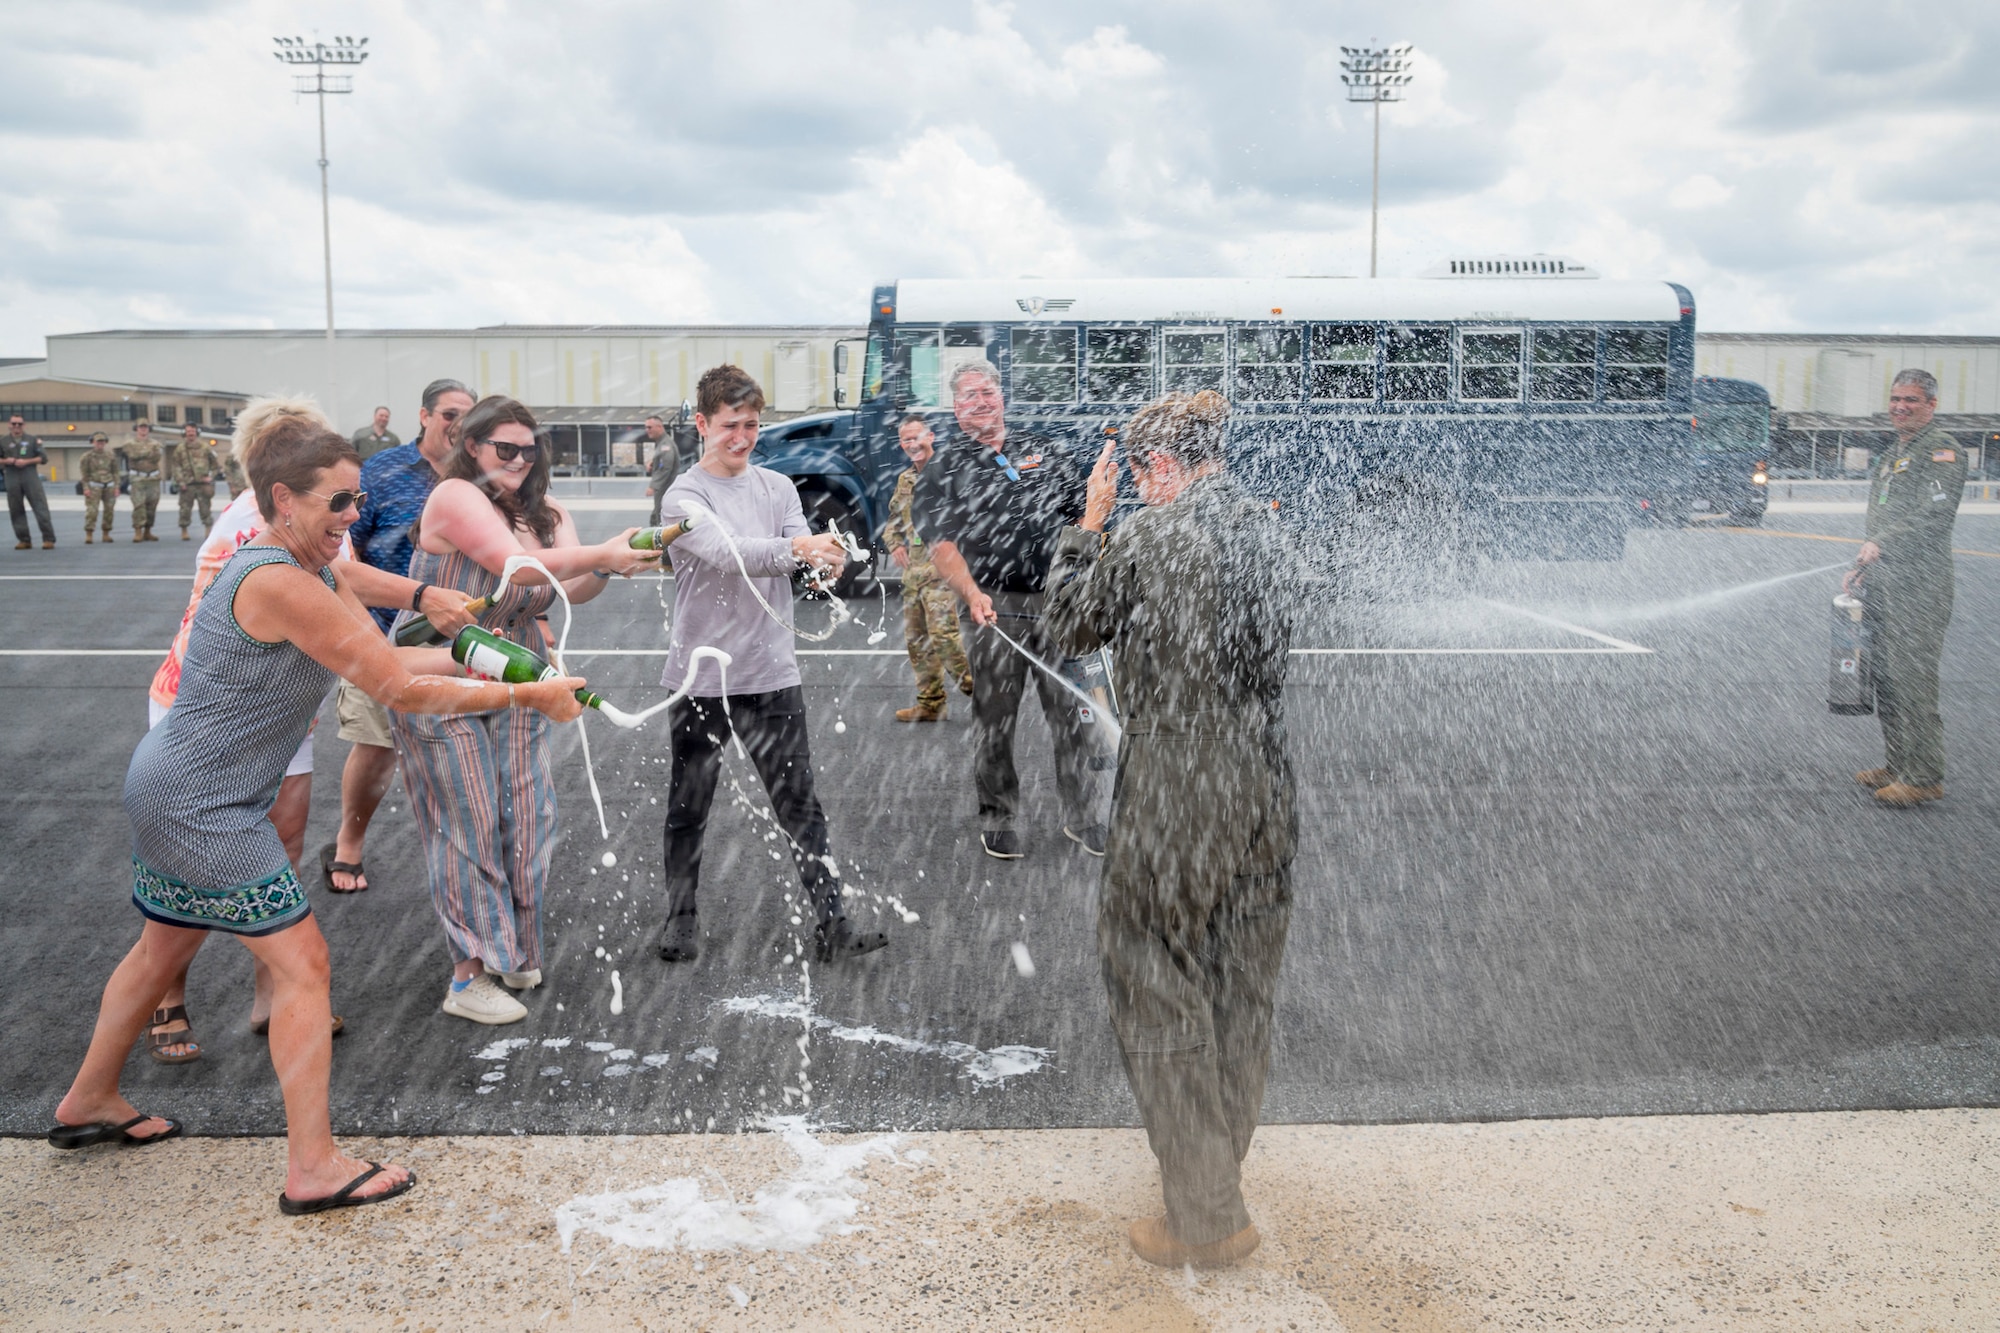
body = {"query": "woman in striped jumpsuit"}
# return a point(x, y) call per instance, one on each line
point(480, 784)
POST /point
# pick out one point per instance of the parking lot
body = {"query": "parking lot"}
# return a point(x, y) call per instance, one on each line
point(1581, 841)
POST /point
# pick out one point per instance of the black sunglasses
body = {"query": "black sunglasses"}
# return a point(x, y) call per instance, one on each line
point(507, 453)
point(337, 502)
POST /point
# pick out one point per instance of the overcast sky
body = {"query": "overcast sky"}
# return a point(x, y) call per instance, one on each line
point(1829, 166)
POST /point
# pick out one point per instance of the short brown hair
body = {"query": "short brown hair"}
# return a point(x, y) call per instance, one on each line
point(526, 508)
point(293, 451)
point(1189, 427)
point(727, 386)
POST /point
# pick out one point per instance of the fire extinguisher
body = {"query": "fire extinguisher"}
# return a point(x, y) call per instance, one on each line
point(1850, 690)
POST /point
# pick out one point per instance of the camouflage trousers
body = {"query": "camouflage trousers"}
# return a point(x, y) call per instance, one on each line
point(93, 496)
point(930, 631)
point(145, 501)
point(192, 492)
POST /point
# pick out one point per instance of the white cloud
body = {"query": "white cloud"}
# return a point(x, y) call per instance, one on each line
point(635, 161)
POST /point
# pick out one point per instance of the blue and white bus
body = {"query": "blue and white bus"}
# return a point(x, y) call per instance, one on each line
point(1523, 407)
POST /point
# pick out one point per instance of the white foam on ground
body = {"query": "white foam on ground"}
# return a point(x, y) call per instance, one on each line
point(501, 1049)
point(795, 1212)
point(986, 1068)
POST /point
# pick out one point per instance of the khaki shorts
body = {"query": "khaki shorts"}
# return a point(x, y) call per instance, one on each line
point(362, 720)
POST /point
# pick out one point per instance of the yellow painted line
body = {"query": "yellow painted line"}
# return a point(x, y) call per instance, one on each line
point(1850, 541)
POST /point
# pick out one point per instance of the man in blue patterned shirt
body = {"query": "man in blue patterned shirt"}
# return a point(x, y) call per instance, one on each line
point(397, 482)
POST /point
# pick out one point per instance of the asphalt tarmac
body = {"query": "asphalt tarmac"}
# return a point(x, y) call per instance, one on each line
point(1573, 846)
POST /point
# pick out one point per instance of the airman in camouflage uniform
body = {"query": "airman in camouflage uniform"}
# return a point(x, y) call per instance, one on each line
point(99, 473)
point(143, 457)
point(930, 609)
point(1904, 570)
point(232, 471)
point(195, 470)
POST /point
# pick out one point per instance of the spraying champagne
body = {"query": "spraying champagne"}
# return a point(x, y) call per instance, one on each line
point(418, 632)
point(488, 656)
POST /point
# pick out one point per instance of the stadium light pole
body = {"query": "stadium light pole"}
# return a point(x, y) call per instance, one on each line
point(345, 51)
point(1375, 74)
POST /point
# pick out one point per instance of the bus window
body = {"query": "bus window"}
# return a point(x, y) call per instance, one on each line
point(917, 368)
point(1733, 428)
point(1268, 358)
point(1343, 363)
point(1565, 366)
point(1419, 364)
point(1118, 365)
point(1044, 366)
point(871, 373)
point(1192, 360)
point(1489, 365)
point(1635, 365)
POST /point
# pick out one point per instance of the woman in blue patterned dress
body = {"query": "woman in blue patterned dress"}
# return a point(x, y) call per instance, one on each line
point(277, 624)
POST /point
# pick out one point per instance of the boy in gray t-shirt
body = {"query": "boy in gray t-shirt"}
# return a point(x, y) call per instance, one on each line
point(732, 590)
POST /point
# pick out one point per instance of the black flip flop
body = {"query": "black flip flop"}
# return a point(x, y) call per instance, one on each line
point(328, 867)
point(103, 1131)
point(345, 1198)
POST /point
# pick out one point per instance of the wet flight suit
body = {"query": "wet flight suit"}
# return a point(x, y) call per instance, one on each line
point(1195, 599)
point(1908, 592)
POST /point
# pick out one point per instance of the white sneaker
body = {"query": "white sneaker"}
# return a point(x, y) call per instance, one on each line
point(484, 1002)
point(515, 980)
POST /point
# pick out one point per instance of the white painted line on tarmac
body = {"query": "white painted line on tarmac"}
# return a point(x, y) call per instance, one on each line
point(1466, 652)
point(83, 652)
point(1619, 644)
point(579, 654)
point(93, 578)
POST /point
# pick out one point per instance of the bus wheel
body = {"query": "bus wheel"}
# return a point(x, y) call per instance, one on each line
point(825, 510)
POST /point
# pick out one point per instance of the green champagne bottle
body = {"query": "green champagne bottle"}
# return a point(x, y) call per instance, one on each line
point(488, 656)
point(659, 539)
point(420, 633)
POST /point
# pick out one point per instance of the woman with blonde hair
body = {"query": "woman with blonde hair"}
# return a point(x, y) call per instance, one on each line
point(1195, 596)
point(170, 1035)
point(279, 624)
point(480, 783)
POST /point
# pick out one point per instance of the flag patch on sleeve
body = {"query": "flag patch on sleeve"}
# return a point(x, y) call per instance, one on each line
point(1943, 456)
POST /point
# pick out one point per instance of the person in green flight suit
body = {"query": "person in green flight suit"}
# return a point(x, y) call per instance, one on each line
point(195, 471)
point(1195, 596)
point(1904, 574)
point(99, 474)
point(143, 457)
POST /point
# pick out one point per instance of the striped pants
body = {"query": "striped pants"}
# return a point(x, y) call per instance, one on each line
point(485, 800)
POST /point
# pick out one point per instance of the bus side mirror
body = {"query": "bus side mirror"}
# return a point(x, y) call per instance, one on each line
point(839, 374)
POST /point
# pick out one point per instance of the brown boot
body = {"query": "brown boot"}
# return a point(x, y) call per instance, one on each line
point(1874, 779)
point(921, 713)
point(184, 535)
point(965, 684)
point(49, 544)
point(87, 538)
point(24, 546)
point(1155, 1244)
point(1903, 795)
point(149, 535)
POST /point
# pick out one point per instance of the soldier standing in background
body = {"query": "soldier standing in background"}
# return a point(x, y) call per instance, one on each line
point(663, 465)
point(195, 471)
point(99, 473)
point(1904, 569)
point(142, 456)
point(232, 470)
point(1195, 596)
point(24, 459)
point(930, 608)
point(376, 436)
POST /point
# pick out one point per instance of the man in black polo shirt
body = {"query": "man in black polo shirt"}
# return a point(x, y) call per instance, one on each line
point(991, 505)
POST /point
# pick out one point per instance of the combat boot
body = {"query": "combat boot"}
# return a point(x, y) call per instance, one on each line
point(1902, 795)
point(48, 543)
point(87, 538)
point(149, 534)
point(1155, 1244)
point(184, 535)
point(24, 546)
point(923, 712)
point(1874, 779)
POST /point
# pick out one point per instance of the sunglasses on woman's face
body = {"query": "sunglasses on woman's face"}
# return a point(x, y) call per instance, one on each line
point(507, 453)
point(337, 502)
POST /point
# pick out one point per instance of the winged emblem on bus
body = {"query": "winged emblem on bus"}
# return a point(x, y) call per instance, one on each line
point(1035, 305)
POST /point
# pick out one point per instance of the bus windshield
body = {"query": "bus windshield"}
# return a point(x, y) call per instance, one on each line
point(1733, 428)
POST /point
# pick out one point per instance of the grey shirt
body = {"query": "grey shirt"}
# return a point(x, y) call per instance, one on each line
point(713, 606)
